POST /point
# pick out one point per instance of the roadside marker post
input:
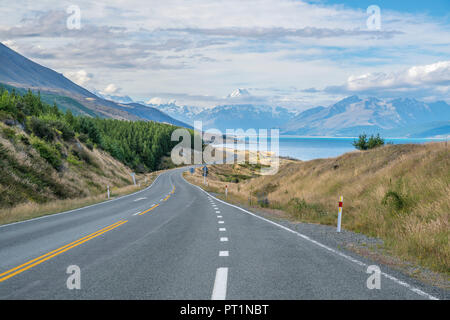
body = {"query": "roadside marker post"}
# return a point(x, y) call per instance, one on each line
point(341, 203)
point(226, 191)
point(205, 174)
point(108, 191)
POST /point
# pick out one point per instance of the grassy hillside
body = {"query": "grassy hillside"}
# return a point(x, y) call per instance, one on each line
point(52, 161)
point(399, 193)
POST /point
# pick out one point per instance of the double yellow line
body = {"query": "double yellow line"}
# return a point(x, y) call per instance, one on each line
point(149, 209)
point(30, 264)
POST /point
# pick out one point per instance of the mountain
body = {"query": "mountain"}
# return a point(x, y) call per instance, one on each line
point(151, 113)
point(186, 114)
point(115, 98)
point(244, 116)
point(16, 71)
point(19, 71)
point(353, 115)
point(239, 93)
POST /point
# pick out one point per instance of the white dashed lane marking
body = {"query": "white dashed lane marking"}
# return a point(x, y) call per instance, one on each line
point(223, 254)
point(220, 284)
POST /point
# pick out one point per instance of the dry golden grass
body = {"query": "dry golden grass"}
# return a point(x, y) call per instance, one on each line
point(31, 210)
point(399, 193)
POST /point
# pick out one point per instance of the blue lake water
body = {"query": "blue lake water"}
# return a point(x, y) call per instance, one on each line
point(314, 148)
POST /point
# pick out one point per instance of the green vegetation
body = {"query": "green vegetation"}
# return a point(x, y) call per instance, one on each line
point(140, 145)
point(365, 144)
point(53, 160)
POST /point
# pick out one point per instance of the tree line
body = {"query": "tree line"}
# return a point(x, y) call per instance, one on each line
point(138, 144)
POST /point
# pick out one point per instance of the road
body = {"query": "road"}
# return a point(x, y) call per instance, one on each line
point(175, 241)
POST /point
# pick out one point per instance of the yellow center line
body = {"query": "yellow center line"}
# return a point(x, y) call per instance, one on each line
point(54, 253)
point(168, 196)
point(149, 209)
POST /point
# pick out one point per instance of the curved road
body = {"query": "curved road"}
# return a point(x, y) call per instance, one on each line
point(175, 241)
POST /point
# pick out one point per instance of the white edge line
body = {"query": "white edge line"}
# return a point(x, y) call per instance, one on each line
point(220, 284)
point(78, 209)
point(362, 264)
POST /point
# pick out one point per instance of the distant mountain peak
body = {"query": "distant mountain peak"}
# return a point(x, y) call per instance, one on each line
point(239, 93)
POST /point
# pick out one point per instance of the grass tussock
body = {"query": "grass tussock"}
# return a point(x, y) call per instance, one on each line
point(399, 193)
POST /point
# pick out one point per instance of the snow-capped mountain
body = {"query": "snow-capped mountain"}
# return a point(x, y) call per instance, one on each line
point(115, 98)
point(185, 114)
point(353, 115)
point(348, 117)
point(241, 116)
point(239, 93)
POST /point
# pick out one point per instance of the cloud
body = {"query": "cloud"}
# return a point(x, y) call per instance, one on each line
point(422, 81)
point(111, 89)
point(158, 101)
point(53, 24)
point(280, 33)
point(433, 74)
point(199, 51)
point(80, 77)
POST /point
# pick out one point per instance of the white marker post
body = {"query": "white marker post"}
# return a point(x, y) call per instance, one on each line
point(226, 192)
point(341, 202)
point(134, 178)
point(108, 191)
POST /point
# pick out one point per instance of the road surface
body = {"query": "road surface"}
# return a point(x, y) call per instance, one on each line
point(175, 241)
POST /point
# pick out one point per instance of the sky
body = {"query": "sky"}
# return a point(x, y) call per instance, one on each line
point(291, 53)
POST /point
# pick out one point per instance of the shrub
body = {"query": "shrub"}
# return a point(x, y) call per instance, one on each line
point(47, 152)
point(365, 144)
point(9, 133)
point(41, 129)
point(394, 200)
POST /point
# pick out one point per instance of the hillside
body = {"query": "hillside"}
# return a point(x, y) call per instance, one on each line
point(16, 71)
point(399, 193)
point(48, 155)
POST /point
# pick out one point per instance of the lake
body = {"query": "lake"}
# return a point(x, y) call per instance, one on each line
point(308, 148)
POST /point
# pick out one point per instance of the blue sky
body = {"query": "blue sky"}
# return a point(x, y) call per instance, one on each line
point(437, 8)
point(290, 53)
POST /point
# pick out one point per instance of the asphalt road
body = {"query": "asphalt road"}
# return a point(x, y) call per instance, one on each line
point(175, 241)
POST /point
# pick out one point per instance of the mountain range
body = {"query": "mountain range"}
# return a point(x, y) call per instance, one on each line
point(349, 117)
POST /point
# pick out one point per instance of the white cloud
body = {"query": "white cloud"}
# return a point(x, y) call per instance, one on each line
point(80, 77)
point(432, 74)
point(111, 89)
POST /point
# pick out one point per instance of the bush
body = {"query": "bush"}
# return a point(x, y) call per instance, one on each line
point(365, 144)
point(9, 133)
point(47, 152)
point(394, 200)
point(41, 129)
